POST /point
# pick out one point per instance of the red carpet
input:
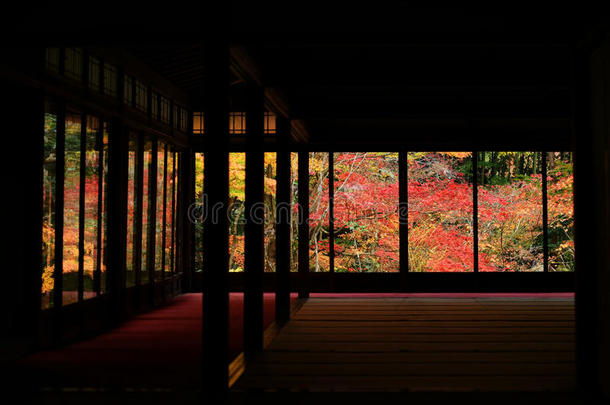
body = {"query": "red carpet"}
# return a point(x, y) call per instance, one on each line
point(161, 348)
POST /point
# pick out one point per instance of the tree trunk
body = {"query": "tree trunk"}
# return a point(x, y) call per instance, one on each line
point(550, 160)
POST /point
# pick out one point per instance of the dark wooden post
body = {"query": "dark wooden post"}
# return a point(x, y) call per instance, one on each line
point(254, 230)
point(282, 226)
point(215, 336)
point(303, 224)
point(118, 144)
point(21, 295)
point(591, 139)
point(584, 228)
point(57, 328)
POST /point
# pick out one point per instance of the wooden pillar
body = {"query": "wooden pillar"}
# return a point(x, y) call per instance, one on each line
point(215, 336)
point(118, 144)
point(23, 121)
point(303, 278)
point(591, 218)
point(584, 229)
point(57, 314)
point(282, 226)
point(255, 222)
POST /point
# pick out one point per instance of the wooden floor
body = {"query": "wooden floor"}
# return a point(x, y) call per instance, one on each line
point(523, 344)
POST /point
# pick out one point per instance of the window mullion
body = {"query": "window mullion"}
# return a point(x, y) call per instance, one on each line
point(59, 207)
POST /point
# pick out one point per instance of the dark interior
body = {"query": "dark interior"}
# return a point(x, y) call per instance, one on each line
point(338, 78)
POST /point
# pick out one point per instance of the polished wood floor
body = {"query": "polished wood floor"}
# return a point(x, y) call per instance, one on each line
point(464, 344)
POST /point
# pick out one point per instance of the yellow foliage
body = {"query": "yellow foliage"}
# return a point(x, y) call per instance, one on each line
point(47, 279)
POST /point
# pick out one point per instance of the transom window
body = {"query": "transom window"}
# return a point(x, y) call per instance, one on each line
point(154, 107)
point(164, 109)
point(94, 73)
point(270, 123)
point(110, 80)
point(73, 63)
point(237, 123)
point(198, 122)
point(141, 96)
point(128, 90)
point(52, 59)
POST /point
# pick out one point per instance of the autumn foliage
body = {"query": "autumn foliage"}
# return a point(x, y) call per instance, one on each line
point(439, 215)
point(85, 207)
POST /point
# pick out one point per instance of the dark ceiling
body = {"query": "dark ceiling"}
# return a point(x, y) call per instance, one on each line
point(341, 89)
point(408, 72)
point(385, 70)
point(180, 64)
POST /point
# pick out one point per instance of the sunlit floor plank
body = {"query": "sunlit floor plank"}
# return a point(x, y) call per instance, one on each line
point(435, 344)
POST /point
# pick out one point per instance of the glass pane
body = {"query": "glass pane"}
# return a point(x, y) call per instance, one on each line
point(237, 197)
point(270, 123)
point(440, 211)
point(146, 201)
point(198, 216)
point(94, 73)
point(237, 123)
point(71, 208)
point(510, 211)
point(198, 123)
point(294, 216)
point(175, 207)
point(110, 80)
point(560, 199)
point(73, 60)
point(270, 201)
point(318, 211)
point(366, 212)
point(48, 206)
point(92, 188)
point(130, 276)
point(159, 212)
point(141, 96)
point(104, 198)
point(52, 59)
point(128, 90)
point(169, 191)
